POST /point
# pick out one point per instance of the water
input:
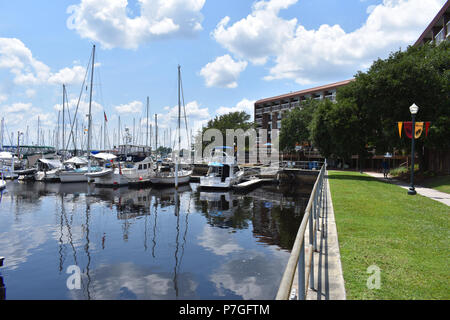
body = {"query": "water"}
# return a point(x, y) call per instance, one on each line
point(148, 243)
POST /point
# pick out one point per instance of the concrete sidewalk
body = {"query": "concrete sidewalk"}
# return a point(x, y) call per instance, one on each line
point(328, 277)
point(426, 192)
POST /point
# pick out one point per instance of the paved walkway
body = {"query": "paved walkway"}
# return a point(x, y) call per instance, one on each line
point(427, 192)
point(328, 277)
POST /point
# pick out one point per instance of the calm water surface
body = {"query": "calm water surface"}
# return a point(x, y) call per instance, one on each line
point(147, 243)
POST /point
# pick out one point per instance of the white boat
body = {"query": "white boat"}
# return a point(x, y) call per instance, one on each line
point(168, 178)
point(111, 174)
point(47, 170)
point(109, 177)
point(9, 163)
point(139, 172)
point(223, 172)
point(26, 174)
point(75, 170)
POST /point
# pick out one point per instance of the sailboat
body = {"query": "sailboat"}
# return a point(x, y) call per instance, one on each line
point(47, 170)
point(173, 176)
point(75, 170)
point(111, 174)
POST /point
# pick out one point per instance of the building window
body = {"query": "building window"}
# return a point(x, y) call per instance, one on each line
point(440, 36)
point(279, 124)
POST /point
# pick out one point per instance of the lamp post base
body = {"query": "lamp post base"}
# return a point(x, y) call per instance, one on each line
point(412, 191)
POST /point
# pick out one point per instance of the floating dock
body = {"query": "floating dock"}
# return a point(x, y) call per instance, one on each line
point(252, 183)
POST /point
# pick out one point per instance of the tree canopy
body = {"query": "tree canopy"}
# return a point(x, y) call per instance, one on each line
point(295, 126)
point(367, 110)
point(232, 120)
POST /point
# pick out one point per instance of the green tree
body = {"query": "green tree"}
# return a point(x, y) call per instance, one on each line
point(419, 75)
point(295, 126)
point(336, 129)
point(369, 108)
point(232, 120)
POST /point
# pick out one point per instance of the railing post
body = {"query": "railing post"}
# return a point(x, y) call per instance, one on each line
point(301, 273)
point(315, 219)
point(311, 242)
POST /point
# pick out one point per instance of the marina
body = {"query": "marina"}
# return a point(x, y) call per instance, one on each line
point(146, 243)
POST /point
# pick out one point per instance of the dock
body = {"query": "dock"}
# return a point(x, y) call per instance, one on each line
point(252, 183)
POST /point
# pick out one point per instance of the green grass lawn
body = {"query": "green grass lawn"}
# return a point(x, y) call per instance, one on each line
point(441, 183)
point(407, 237)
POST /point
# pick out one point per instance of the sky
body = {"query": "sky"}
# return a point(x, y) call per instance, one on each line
point(231, 54)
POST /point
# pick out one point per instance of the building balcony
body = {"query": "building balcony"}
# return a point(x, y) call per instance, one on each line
point(259, 111)
point(440, 36)
point(267, 109)
point(276, 108)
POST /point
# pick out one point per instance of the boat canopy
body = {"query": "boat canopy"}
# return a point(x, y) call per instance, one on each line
point(215, 164)
point(52, 163)
point(5, 155)
point(104, 156)
point(76, 161)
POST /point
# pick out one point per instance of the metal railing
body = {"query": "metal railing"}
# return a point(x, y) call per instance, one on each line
point(306, 165)
point(298, 261)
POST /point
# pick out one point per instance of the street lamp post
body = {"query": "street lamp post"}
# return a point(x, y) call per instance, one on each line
point(413, 109)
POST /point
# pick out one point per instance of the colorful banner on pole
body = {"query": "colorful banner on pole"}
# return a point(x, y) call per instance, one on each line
point(419, 126)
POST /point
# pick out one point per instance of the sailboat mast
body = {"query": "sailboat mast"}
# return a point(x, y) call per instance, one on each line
point(118, 135)
point(90, 117)
point(63, 123)
point(148, 102)
point(1, 141)
point(38, 133)
point(104, 132)
point(156, 132)
point(179, 136)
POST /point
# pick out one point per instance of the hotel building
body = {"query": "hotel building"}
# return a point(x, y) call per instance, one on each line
point(439, 28)
point(270, 111)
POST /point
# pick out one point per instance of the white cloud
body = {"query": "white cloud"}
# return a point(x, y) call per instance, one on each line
point(260, 35)
point(30, 93)
point(27, 70)
point(17, 107)
point(16, 57)
point(196, 115)
point(193, 111)
point(3, 97)
point(72, 75)
point(83, 107)
point(223, 72)
point(19, 112)
point(108, 21)
point(218, 241)
point(132, 107)
point(309, 56)
point(243, 105)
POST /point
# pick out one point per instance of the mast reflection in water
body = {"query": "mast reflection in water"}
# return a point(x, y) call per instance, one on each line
point(147, 243)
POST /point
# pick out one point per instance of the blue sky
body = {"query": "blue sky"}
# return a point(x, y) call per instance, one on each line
point(231, 53)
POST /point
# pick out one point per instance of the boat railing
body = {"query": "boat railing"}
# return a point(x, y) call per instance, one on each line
point(299, 262)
